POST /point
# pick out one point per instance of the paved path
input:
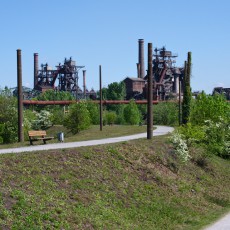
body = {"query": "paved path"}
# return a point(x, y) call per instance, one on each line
point(222, 224)
point(160, 130)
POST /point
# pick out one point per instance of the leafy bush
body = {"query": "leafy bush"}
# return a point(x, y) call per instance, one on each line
point(8, 118)
point(207, 107)
point(217, 137)
point(43, 120)
point(132, 114)
point(192, 133)
point(78, 118)
point(57, 115)
point(165, 113)
point(181, 148)
point(109, 117)
point(93, 109)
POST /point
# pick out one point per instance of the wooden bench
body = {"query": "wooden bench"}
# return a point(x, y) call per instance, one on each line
point(38, 135)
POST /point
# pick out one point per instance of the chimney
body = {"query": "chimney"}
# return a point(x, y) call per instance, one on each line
point(141, 58)
point(35, 70)
point(84, 85)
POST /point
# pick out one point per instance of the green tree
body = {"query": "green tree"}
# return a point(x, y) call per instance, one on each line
point(207, 107)
point(93, 109)
point(187, 96)
point(165, 113)
point(53, 95)
point(132, 114)
point(116, 91)
point(109, 117)
point(8, 118)
point(78, 118)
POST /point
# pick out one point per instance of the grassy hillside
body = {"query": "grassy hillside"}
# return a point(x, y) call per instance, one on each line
point(132, 185)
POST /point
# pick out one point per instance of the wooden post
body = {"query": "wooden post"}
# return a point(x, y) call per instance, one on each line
point(20, 97)
point(101, 121)
point(150, 94)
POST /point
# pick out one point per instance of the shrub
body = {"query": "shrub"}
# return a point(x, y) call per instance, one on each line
point(109, 118)
point(165, 113)
point(217, 137)
point(132, 114)
point(207, 107)
point(192, 133)
point(93, 112)
point(180, 146)
point(43, 120)
point(78, 118)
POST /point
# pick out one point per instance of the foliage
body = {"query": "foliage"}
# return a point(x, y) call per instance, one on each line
point(42, 121)
point(57, 114)
point(181, 148)
point(192, 133)
point(116, 91)
point(53, 95)
point(187, 95)
point(165, 113)
point(109, 117)
point(207, 107)
point(94, 112)
point(217, 137)
point(8, 118)
point(132, 114)
point(78, 118)
point(120, 114)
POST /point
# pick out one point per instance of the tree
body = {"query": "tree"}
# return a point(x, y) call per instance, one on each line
point(187, 97)
point(53, 95)
point(207, 107)
point(78, 118)
point(132, 114)
point(8, 118)
point(116, 91)
point(93, 109)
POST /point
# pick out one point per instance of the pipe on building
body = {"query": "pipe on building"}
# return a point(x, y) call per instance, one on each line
point(35, 70)
point(141, 58)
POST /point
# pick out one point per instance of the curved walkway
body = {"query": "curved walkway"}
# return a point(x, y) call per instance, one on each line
point(160, 130)
point(222, 224)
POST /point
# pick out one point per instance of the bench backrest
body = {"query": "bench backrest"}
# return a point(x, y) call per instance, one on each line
point(36, 133)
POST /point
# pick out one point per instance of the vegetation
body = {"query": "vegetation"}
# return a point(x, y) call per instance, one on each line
point(132, 114)
point(138, 184)
point(78, 118)
point(187, 96)
point(165, 113)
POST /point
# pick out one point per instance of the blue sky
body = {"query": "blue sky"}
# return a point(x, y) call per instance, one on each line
point(106, 33)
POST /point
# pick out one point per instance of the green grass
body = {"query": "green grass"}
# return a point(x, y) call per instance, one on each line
point(92, 133)
point(131, 185)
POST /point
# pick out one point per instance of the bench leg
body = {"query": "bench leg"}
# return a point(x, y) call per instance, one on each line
point(31, 142)
point(44, 142)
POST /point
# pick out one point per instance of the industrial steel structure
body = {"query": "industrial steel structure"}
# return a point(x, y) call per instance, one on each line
point(66, 74)
point(166, 77)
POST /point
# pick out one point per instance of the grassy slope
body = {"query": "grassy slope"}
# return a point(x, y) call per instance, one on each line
point(132, 185)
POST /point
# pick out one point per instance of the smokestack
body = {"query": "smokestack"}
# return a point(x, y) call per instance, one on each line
point(35, 69)
point(141, 58)
point(84, 85)
point(138, 70)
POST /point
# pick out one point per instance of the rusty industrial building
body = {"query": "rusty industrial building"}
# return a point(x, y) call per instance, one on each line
point(66, 75)
point(223, 91)
point(166, 77)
